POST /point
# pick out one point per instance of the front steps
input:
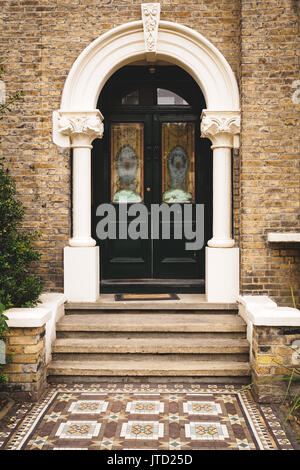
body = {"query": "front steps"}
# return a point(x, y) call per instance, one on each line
point(115, 344)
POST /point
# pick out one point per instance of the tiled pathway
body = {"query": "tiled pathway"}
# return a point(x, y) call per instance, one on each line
point(143, 416)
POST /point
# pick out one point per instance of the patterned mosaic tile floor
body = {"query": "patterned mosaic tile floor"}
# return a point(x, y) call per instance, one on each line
point(144, 416)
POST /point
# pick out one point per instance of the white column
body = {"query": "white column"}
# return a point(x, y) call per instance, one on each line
point(222, 258)
point(82, 128)
point(221, 127)
point(81, 257)
point(81, 196)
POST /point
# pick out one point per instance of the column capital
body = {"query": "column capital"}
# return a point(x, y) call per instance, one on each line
point(82, 127)
point(221, 127)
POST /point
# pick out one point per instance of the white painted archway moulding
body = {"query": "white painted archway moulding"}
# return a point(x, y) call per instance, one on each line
point(77, 123)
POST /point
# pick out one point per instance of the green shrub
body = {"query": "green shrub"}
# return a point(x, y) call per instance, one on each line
point(18, 286)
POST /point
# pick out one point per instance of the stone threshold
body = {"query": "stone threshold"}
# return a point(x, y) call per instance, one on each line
point(186, 301)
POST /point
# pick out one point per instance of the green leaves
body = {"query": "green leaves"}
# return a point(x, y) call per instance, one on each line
point(18, 285)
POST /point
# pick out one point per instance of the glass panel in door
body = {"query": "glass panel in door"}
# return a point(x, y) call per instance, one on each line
point(178, 162)
point(127, 162)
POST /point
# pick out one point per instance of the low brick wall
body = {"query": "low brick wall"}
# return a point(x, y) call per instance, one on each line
point(26, 365)
point(271, 353)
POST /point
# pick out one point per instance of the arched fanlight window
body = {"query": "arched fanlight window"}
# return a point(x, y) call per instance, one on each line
point(169, 98)
point(159, 96)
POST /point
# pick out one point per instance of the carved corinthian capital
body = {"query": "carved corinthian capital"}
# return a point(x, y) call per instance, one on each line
point(221, 127)
point(81, 127)
point(150, 17)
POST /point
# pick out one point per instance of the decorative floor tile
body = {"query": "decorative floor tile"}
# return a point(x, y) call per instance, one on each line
point(202, 408)
point(78, 430)
point(88, 407)
point(145, 407)
point(204, 431)
point(142, 430)
point(144, 416)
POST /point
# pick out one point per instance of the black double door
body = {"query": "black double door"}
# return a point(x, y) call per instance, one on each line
point(151, 155)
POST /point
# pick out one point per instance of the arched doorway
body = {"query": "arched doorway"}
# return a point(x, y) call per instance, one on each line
point(152, 114)
point(78, 123)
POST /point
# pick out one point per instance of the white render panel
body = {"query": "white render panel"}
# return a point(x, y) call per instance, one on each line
point(222, 274)
point(81, 273)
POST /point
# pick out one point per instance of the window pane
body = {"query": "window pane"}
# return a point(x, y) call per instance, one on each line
point(167, 97)
point(131, 98)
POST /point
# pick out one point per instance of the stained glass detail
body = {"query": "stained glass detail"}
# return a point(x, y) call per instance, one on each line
point(178, 162)
point(127, 156)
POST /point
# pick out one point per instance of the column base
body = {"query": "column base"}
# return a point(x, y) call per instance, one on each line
point(81, 273)
point(221, 243)
point(82, 242)
point(222, 274)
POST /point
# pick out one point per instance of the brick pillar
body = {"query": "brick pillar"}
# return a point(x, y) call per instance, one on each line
point(26, 366)
point(272, 352)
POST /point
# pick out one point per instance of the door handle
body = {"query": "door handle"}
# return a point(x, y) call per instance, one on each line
point(148, 189)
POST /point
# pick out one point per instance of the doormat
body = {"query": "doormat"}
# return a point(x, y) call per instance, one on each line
point(142, 297)
point(146, 417)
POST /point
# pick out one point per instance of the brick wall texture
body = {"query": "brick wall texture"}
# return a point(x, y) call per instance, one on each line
point(275, 354)
point(260, 39)
point(26, 366)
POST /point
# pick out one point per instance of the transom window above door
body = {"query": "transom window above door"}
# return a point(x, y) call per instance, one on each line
point(151, 86)
point(161, 97)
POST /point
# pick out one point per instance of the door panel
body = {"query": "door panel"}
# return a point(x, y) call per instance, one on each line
point(177, 137)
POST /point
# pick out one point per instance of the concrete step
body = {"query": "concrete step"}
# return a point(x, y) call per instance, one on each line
point(157, 366)
point(190, 344)
point(166, 322)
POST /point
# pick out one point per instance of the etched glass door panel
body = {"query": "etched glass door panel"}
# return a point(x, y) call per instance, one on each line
point(178, 162)
point(127, 160)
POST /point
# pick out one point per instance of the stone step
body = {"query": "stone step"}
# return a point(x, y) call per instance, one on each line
point(91, 357)
point(123, 335)
point(157, 366)
point(166, 322)
point(191, 344)
point(143, 311)
point(190, 302)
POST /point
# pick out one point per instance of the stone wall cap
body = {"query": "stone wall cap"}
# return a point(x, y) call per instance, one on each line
point(288, 237)
point(279, 316)
point(27, 317)
point(255, 300)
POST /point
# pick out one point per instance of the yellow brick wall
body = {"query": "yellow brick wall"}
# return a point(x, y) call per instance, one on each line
point(42, 38)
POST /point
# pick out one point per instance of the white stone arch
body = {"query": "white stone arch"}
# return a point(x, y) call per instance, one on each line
point(177, 44)
point(77, 123)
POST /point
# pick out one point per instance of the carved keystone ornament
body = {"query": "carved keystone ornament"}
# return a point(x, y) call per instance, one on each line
point(150, 17)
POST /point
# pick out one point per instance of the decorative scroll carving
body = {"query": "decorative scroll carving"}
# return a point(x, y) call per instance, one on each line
point(221, 127)
point(150, 17)
point(85, 125)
